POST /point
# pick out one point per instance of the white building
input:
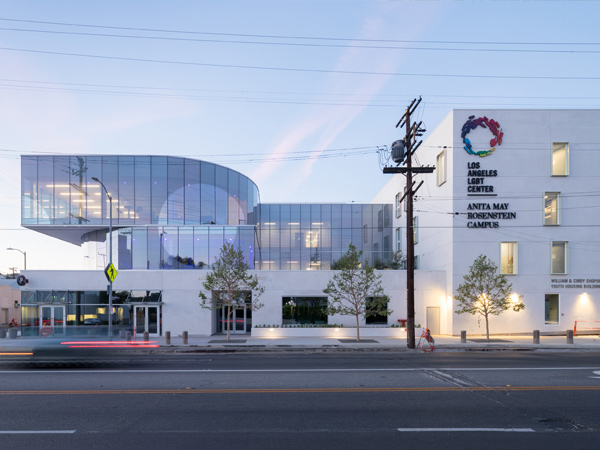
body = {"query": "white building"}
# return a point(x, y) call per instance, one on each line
point(529, 201)
point(519, 186)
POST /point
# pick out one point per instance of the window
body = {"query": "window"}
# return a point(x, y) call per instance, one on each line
point(415, 230)
point(416, 262)
point(398, 205)
point(551, 313)
point(304, 310)
point(559, 257)
point(560, 159)
point(508, 258)
point(398, 239)
point(552, 208)
point(374, 318)
point(441, 168)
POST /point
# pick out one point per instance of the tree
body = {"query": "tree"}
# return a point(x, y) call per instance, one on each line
point(356, 290)
point(486, 292)
point(230, 284)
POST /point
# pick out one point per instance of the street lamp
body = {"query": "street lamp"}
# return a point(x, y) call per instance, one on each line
point(110, 283)
point(24, 256)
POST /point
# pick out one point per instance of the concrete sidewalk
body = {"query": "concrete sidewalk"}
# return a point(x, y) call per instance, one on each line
point(240, 342)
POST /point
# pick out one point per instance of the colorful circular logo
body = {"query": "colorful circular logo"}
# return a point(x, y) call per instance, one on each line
point(484, 122)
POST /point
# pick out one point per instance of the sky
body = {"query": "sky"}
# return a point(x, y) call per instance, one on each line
point(299, 95)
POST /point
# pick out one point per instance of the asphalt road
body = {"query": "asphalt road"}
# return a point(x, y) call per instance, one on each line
point(484, 400)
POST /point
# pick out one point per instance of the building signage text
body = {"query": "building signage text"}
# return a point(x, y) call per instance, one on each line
point(575, 283)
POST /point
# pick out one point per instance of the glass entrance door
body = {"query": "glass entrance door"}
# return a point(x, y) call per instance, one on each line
point(240, 321)
point(146, 318)
point(53, 317)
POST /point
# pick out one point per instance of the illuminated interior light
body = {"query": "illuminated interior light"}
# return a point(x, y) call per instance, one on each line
point(317, 223)
point(58, 185)
point(294, 223)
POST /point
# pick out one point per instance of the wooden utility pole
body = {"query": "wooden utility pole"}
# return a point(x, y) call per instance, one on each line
point(410, 145)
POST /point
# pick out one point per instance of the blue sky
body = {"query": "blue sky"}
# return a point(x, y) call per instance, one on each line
point(296, 94)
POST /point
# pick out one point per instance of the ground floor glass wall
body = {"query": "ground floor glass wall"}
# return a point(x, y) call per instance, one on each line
point(70, 313)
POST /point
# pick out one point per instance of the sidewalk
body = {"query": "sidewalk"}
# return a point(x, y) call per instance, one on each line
point(240, 343)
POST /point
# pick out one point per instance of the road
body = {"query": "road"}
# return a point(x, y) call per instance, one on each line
point(362, 400)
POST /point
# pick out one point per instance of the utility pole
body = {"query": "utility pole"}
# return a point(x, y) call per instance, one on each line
point(402, 152)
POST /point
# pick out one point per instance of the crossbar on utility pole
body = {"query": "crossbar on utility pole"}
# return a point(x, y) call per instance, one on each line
point(413, 130)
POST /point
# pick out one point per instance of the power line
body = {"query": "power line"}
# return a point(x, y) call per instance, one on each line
point(304, 44)
point(298, 69)
point(271, 36)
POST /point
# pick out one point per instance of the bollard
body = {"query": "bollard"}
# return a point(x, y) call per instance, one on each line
point(463, 337)
point(569, 336)
point(185, 337)
point(2, 332)
point(128, 336)
point(12, 333)
point(167, 338)
point(536, 336)
point(146, 336)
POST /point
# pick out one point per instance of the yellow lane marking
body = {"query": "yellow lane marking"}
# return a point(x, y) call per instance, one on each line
point(304, 390)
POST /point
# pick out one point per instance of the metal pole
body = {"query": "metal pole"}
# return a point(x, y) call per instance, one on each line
point(110, 283)
point(24, 256)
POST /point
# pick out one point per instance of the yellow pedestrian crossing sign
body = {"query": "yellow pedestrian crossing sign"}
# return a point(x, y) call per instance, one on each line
point(110, 272)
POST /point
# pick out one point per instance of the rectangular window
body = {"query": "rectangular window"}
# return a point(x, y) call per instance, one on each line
point(304, 310)
point(560, 159)
point(398, 239)
point(415, 230)
point(552, 208)
point(508, 258)
point(552, 310)
point(416, 262)
point(559, 257)
point(398, 205)
point(374, 318)
point(440, 168)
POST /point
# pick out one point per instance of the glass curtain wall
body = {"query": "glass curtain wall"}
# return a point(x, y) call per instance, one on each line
point(145, 190)
point(315, 236)
point(170, 248)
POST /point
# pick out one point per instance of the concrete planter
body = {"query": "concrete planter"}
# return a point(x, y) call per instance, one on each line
point(347, 333)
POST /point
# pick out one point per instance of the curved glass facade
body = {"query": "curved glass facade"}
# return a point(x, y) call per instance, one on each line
point(176, 213)
point(165, 248)
point(146, 190)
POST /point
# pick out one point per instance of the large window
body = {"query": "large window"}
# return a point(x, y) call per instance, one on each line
point(416, 230)
point(508, 258)
point(560, 159)
point(304, 310)
point(440, 168)
point(551, 309)
point(398, 239)
point(398, 205)
point(552, 208)
point(559, 257)
point(375, 318)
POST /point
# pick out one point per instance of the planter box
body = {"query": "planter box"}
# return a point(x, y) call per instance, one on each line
point(345, 333)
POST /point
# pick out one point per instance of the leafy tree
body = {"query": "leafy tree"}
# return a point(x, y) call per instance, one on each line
point(486, 293)
point(396, 261)
point(230, 284)
point(356, 290)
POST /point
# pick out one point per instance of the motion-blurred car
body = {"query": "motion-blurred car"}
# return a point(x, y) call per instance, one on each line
point(91, 322)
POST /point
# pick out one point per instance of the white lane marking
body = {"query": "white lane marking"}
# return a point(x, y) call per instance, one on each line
point(596, 372)
point(37, 431)
point(457, 369)
point(502, 430)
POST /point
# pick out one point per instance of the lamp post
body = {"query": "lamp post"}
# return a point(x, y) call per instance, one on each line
point(110, 283)
point(24, 256)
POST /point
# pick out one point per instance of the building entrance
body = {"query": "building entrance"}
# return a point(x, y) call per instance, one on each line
point(53, 316)
point(240, 321)
point(147, 318)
